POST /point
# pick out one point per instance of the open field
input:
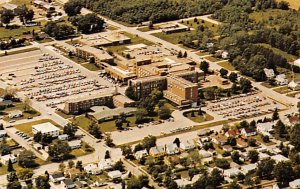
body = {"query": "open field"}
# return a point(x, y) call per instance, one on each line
point(226, 65)
point(198, 118)
point(172, 38)
point(192, 24)
point(295, 4)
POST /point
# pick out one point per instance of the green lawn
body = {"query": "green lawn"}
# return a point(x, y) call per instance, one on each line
point(282, 90)
point(213, 59)
point(226, 65)
point(20, 106)
point(84, 122)
point(20, 51)
point(6, 33)
point(63, 115)
point(21, 2)
point(173, 37)
point(202, 53)
point(110, 27)
point(91, 67)
point(83, 150)
point(197, 118)
point(289, 74)
point(27, 127)
point(190, 23)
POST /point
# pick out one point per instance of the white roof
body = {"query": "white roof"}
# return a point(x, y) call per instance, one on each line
point(182, 182)
point(247, 168)
point(106, 162)
point(294, 183)
point(8, 156)
point(297, 62)
point(74, 143)
point(90, 167)
point(3, 132)
point(279, 158)
point(293, 84)
point(232, 171)
point(268, 126)
point(45, 127)
point(114, 174)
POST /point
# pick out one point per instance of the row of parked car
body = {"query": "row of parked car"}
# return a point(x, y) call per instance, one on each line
point(24, 136)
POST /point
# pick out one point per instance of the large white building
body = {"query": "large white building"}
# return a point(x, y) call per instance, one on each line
point(46, 128)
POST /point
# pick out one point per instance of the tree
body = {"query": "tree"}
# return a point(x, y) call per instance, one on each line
point(130, 93)
point(233, 77)
point(41, 182)
point(185, 54)
point(140, 115)
point(245, 84)
point(234, 185)
point(204, 66)
point(119, 166)
point(109, 141)
point(253, 156)
point(222, 163)
point(79, 165)
point(27, 104)
point(283, 172)
point(25, 174)
point(26, 159)
point(14, 185)
point(10, 167)
point(61, 167)
point(164, 112)
point(58, 31)
point(235, 156)
point(4, 148)
point(94, 130)
point(223, 72)
point(265, 169)
point(294, 136)
point(71, 164)
point(90, 23)
point(280, 128)
point(72, 8)
point(216, 178)
point(126, 151)
point(70, 129)
point(275, 115)
point(6, 16)
point(252, 142)
point(24, 14)
point(11, 177)
point(148, 142)
point(59, 150)
point(177, 142)
point(107, 155)
point(119, 123)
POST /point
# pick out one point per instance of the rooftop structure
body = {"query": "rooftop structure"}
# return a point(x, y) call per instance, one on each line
point(105, 39)
point(88, 52)
point(46, 128)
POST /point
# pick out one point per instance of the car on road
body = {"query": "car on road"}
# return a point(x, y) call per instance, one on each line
point(29, 118)
point(12, 121)
point(10, 126)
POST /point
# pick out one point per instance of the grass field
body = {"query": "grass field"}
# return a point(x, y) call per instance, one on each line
point(294, 4)
point(289, 57)
point(20, 106)
point(226, 65)
point(197, 118)
point(20, 51)
point(173, 37)
point(213, 59)
point(192, 24)
point(6, 33)
point(282, 90)
point(27, 127)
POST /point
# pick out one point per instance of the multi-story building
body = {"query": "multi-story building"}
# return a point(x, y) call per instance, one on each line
point(87, 52)
point(181, 91)
point(144, 86)
point(83, 104)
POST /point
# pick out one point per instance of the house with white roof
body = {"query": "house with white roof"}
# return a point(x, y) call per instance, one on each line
point(278, 158)
point(92, 169)
point(114, 174)
point(46, 128)
point(247, 168)
point(269, 73)
point(56, 177)
point(295, 184)
point(205, 154)
point(75, 144)
point(295, 86)
point(233, 172)
point(263, 156)
point(157, 151)
point(15, 114)
point(247, 132)
point(265, 128)
point(63, 137)
point(281, 79)
point(172, 149)
point(297, 62)
point(140, 154)
point(5, 159)
point(105, 164)
point(182, 183)
point(187, 144)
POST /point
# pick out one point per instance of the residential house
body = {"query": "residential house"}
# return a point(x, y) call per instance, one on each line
point(295, 184)
point(105, 164)
point(81, 184)
point(293, 120)
point(157, 151)
point(248, 168)
point(278, 158)
point(205, 154)
point(15, 114)
point(265, 128)
point(68, 183)
point(75, 144)
point(281, 79)
point(233, 172)
point(63, 137)
point(56, 177)
point(5, 159)
point(182, 183)
point(241, 143)
point(172, 149)
point(227, 148)
point(232, 133)
point(295, 86)
point(92, 169)
point(187, 144)
point(263, 156)
point(140, 154)
point(249, 131)
point(269, 73)
point(114, 174)
point(73, 172)
point(219, 139)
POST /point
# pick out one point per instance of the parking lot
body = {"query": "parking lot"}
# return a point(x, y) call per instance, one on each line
point(49, 78)
point(243, 106)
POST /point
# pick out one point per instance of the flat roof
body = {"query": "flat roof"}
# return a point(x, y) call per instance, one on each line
point(112, 112)
point(181, 81)
point(45, 127)
point(101, 54)
point(90, 97)
point(122, 98)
